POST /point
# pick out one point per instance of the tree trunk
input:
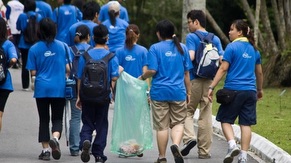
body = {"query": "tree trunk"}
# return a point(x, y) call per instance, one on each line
point(189, 5)
point(280, 24)
point(215, 26)
point(257, 21)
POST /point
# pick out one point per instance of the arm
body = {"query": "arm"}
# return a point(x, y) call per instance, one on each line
point(259, 78)
point(192, 54)
point(78, 102)
point(220, 73)
point(147, 74)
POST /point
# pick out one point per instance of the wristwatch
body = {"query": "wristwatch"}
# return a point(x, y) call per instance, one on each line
point(212, 88)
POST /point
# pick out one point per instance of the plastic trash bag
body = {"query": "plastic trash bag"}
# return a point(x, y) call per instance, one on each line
point(131, 127)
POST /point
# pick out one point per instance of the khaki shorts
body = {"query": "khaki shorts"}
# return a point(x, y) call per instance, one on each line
point(167, 114)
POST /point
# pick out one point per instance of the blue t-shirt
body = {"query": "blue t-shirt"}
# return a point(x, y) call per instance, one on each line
point(21, 25)
point(116, 34)
point(242, 59)
point(10, 52)
point(65, 16)
point(49, 61)
point(72, 32)
point(132, 60)
point(44, 9)
point(98, 54)
point(103, 14)
point(193, 42)
point(170, 66)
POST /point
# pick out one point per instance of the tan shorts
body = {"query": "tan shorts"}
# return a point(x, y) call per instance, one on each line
point(167, 114)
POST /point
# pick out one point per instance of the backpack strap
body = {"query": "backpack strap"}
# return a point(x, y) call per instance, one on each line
point(75, 50)
point(108, 57)
point(208, 38)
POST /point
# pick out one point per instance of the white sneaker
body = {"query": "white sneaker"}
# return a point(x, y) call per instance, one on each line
point(242, 160)
point(232, 152)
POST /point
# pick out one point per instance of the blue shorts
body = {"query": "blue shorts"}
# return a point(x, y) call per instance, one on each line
point(243, 106)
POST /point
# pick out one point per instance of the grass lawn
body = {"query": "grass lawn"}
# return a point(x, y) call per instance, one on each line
point(273, 117)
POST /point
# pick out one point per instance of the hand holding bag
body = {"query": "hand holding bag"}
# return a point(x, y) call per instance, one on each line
point(225, 96)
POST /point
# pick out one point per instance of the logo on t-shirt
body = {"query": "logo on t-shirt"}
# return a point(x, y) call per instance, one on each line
point(48, 53)
point(129, 58)
point(170, 54)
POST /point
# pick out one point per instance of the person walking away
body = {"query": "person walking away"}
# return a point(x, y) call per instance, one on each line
point(243, 66)
point(199, 89)
point(81, 45)
point(21, 25)
point(132, 57)
point(8, 49)
point(90, 16)
point(65, 16)
point(95, 111)
point(44, 9)
point(48, 65)
point(104, 15)
point(168, 65)
point(116, 27)
point(14, 9)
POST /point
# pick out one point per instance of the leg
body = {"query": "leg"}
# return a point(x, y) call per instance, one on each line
point(24, 72)
point(162, 141)
point(205, 132)
point(74, 136)
point(3, 99)
point(1, 115)
point(227, 131)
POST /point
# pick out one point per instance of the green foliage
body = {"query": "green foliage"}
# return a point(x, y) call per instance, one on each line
point(273, 117)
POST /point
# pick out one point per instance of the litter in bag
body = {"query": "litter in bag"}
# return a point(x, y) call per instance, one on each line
point(131, 127)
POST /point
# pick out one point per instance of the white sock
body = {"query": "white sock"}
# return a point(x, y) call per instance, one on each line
point(243, 154)
point(56, 139)
point(231, 143)
point(45, 149)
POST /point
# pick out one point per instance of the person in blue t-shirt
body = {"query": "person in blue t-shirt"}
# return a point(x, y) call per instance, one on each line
point(48, 65)
point(81, 40)
point(90, 17)
point(104, 15)
point(21, 25)
point(116, 27)
point(199, 89)
point(44, 9)
point(11, 55)
point(242, 64)
point(65, 16)
point(132, 57)
point(168, 65)
point(94, 114)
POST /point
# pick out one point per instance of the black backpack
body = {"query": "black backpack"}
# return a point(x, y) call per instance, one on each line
point(30, 32)
point(206, 60)
point(94, 85)
point(77, 54)
point(3, 65)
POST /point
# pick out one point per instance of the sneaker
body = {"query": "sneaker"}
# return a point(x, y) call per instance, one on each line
point(207, 156)
point(74, 153)
point(187, 147)
point(56, 152)
point(162, 160)
point(98, 159)
point(85, 155)
point(230, 154)
point(176, 153)
point(242, 160)
point(44, 155)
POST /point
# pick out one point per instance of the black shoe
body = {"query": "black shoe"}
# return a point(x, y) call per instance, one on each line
point(187, 147)
point(99, 159)
point(44, 155)
point(85, 155)
point(176, 153)
point(56, 152)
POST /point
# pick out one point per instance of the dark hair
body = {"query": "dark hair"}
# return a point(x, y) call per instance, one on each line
point(67, 1)
point(82, 32)
point(79, 4)
point(242, 25)
point(29, 5)
point(100, 34)
point(3, 30)
point(132, 34)
point(47, 30)
point(90, 9)
point(199, 15)
point(112, 13)
point(166, 30)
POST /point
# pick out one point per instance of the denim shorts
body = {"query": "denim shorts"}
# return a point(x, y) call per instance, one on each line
point(243, 106)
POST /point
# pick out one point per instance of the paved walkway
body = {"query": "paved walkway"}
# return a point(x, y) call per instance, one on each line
point(18, 138)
